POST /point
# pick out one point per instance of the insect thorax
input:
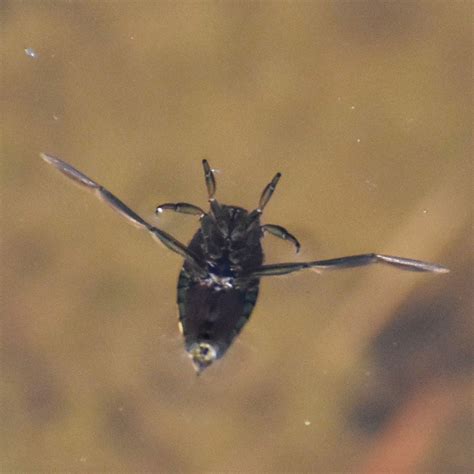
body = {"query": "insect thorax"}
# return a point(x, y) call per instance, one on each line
point(228, 245)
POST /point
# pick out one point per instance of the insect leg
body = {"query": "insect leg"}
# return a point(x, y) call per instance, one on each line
point(349, 262)
point(181, 207)
point(211, 191)
point(282, 233)
point(210, 180)
point(267, 192)
point(102, 193)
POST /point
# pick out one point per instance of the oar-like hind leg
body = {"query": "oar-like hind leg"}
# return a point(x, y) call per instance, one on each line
point(348, 262)
point(105, 195)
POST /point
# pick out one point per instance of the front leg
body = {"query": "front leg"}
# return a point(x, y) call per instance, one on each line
point(348, 262)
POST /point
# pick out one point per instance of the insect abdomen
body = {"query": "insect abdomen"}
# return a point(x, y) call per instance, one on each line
point(214, 316)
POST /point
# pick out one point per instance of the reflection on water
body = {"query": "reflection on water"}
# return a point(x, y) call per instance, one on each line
point(364, 108)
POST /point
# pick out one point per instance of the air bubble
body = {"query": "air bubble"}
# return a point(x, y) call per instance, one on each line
point(31, 53)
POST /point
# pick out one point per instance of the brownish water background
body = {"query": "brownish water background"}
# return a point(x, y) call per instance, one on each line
point(365, 107)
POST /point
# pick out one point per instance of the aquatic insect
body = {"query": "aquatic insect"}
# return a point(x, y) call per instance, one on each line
point(218, 283)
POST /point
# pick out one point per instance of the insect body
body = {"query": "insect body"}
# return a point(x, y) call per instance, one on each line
point(219, 281)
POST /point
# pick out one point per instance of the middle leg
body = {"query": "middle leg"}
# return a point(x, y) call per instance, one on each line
point(181, 207)
point(282, 233)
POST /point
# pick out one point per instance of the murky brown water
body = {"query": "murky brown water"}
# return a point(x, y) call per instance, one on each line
point(364, 107)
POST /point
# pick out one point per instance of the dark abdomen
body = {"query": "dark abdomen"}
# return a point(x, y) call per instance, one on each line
point(213, 316)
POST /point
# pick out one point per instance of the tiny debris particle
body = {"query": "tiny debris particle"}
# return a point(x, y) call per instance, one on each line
point(31, 53)
point(370, 184)
point(307, 422)
point(358, 140)
point(353, 107)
